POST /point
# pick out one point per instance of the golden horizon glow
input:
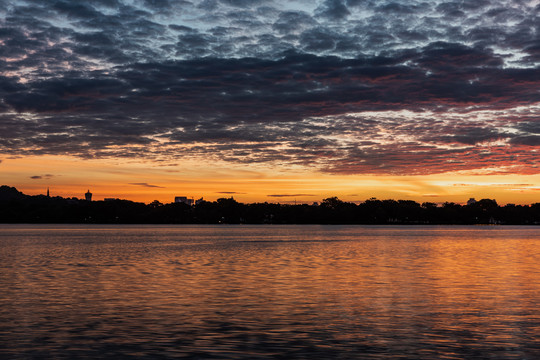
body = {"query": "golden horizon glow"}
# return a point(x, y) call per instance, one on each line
point(146, 181)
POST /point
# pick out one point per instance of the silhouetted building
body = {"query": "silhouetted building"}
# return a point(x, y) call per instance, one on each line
point(183, 199)
point(197, 202)
point(88, 196)
point(48, 195)
point(471, 201)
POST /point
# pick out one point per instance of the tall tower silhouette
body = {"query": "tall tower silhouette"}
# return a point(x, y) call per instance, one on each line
point(88, 196)
point(48, 192)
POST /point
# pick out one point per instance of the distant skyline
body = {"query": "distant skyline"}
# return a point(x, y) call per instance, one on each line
point(272, 100)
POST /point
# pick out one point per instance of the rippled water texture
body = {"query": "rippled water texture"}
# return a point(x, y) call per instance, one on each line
point(257, 292)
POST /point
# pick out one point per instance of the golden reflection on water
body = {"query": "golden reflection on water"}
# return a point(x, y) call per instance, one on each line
point(267, 291)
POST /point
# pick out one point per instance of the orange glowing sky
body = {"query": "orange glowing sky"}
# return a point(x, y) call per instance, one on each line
point(145, 182)
point(272, 100)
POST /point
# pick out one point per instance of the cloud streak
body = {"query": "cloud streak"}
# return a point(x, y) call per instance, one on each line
point(146, 185)
point(289, 195)
point(40, 177)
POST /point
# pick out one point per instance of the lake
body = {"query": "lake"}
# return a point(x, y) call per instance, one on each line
point(260, 292)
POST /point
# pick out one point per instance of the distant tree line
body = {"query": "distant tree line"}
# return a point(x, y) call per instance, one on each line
point(16, 207)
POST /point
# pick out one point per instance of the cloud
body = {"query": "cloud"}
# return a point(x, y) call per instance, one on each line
point(39, 177)
point(333, 10)
point(529, 140)
point(291, 22)
point(146, 185)
point(339, 86)
point(497, 185)
point(229, 192)
point(290, 195)
point(157, 4)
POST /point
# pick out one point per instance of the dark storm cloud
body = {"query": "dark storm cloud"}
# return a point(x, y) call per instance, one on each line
point(181, 28)
point(157, 4)
point(76, 10)
point(468, 135)
point(293, 21)
point(332, 9)
point(530, 140)
point(532, 127)
point(243, 3)
point(317, 40)
point(301, 83)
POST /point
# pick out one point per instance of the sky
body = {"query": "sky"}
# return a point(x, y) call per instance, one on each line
point(270, 100)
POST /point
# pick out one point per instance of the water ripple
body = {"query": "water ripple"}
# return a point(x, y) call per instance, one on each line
point(259, 292)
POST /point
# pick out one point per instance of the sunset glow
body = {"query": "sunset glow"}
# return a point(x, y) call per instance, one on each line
point(271, 101)
point(144, 182)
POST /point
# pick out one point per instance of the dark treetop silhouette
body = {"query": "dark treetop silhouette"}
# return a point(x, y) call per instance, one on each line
point(16, 207)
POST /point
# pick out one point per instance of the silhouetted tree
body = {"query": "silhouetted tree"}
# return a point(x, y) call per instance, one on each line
point(16, 207)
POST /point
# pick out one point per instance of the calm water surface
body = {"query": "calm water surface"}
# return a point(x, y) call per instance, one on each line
point(258, 292)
